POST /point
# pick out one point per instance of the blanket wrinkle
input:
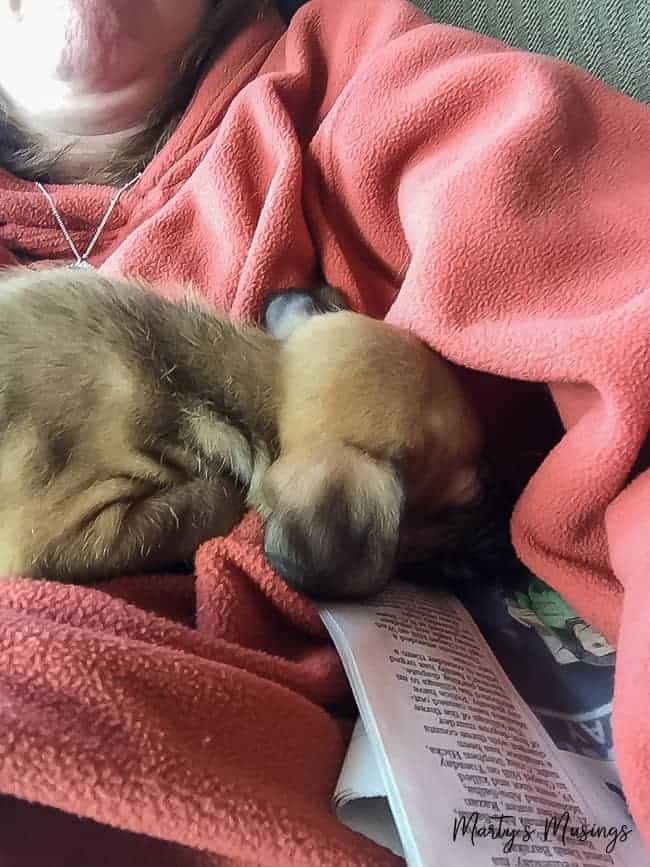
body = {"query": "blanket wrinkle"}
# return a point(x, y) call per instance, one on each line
point(492, 202)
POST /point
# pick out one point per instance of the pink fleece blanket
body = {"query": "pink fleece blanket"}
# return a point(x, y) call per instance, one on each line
point(496, 203)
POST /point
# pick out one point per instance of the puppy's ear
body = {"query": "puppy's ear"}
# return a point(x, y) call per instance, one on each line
point(333, 520)
point(285, 311)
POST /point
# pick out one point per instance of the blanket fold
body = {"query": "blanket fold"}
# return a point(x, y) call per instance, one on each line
point(493, 202)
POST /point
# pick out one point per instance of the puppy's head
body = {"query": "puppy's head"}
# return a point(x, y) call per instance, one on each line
point(334, 520)
point(375, 433)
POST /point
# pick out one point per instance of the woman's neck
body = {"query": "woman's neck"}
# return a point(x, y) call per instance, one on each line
point(37, 147)
point(90, 95)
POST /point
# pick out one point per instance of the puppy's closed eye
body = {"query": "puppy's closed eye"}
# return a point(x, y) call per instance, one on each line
point(334, 520)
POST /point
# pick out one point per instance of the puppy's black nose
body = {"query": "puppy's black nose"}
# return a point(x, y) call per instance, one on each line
point(291, 572)
point(296, 576)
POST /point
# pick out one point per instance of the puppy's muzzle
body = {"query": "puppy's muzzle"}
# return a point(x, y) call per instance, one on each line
point(334, 522)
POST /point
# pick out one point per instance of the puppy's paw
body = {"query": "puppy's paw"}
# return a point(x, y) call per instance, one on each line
point(333, 520)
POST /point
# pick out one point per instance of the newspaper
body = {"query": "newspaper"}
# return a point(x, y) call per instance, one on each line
point(449, 765)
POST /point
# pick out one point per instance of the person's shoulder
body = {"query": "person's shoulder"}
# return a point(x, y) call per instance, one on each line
point(363, 8)
point(348, 34)
point(360, 23)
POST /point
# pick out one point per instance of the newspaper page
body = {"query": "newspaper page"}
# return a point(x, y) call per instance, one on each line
point(564, 670)
point(360, 800)
point(471, 776)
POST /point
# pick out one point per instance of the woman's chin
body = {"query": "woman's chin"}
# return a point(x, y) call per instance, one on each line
point(102, 56)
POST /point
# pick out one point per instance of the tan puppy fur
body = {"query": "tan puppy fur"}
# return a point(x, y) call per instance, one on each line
point(373, 428)
point(132, 429)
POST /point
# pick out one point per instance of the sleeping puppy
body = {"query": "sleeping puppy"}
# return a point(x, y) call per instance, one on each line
point(133, 429)
point(375, 436)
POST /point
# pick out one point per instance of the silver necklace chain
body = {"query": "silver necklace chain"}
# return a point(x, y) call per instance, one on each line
point(81, 260)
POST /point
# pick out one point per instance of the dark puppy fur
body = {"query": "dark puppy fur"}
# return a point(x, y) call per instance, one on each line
point(132, 428)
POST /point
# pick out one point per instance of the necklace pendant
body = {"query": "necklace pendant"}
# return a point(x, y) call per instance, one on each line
point(81, 264)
